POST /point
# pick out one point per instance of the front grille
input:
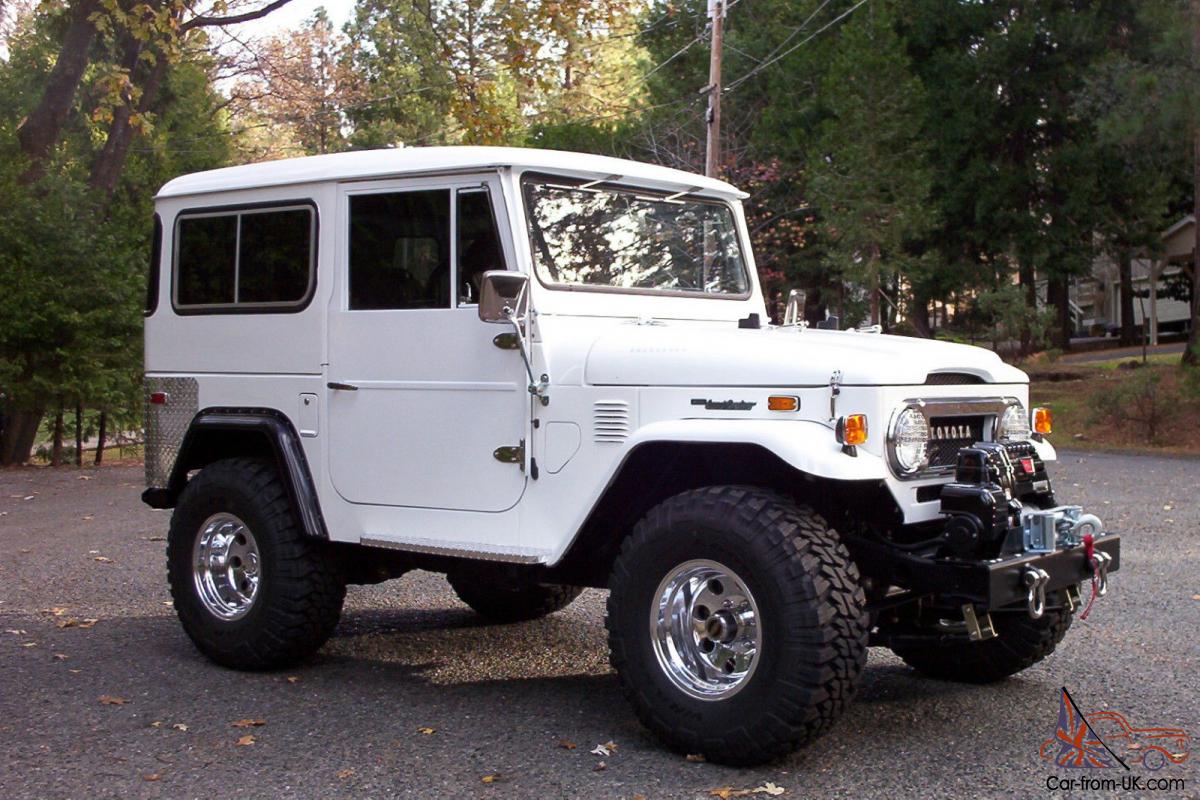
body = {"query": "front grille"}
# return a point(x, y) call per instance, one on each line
point(948, 434)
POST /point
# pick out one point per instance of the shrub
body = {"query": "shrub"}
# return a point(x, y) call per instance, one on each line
point(1138, 400)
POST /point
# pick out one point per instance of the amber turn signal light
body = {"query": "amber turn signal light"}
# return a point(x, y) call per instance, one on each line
point(852, 430)
point(783, 402)
point(1043, 420)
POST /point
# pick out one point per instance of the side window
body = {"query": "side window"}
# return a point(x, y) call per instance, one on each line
point(245, 260)
point(207, 260)
point(400, 250)
point(479, 247)
point(155, 267)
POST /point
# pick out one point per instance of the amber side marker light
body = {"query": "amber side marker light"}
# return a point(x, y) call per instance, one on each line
point(783, 402)
point(1043, 420)
point(852, 430)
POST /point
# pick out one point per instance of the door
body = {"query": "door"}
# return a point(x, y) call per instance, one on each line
point(420, 397)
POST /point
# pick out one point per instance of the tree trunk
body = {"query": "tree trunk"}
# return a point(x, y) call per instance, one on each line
point(106, 169)
point(101, 431)
point(1125, 275)
point(56, 446)
point(79, 434)
point(1058, 297)
point(918, 314)
point(20, 430)
point(39, 132)
point(1028, 278)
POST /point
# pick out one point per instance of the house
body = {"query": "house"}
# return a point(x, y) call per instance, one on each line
point(1096, 299)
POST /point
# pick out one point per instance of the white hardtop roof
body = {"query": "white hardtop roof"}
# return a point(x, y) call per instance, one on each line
point(402, 161)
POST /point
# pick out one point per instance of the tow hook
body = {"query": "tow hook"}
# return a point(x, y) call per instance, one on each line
point(1100, 563)
point(1036, 578)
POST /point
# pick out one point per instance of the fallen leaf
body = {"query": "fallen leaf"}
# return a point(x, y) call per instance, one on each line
point(293, 679)
point(246, 741)
point(88, 516)
point(600, 766)
point(16, 631)
point(111, 700)
point(156, 724)
point(87, 623)
point(248, 723)
point(1196, 597)
point(60, 656)
point(153, 776)
point(69, 622)
point(156, 538)
point(29, 644)
point(168, 603)
point(489, 779)
point(696, 758)
point(1135, 746)
point(427, 731)
point(103, 560)
point(85, 477)
point(57, 611)
point(639, 797)
point(179, 726)
point(74, 671)
point(29, 497)
point(345, 773)
point(768, 788)
point(606, 749)
point(567, 745)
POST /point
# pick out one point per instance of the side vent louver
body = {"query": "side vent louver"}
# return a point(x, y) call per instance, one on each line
point(610, 421)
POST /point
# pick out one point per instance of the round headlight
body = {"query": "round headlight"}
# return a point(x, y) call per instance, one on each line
point(910, 440)
point(1014, 425)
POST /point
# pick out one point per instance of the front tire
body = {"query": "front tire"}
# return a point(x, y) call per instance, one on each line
point(251, 590)
point(736, 623)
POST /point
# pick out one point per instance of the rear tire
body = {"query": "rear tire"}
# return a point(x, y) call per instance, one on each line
point(1021, 643)
point(251, 590)
point(504, 599)
point(737, 624)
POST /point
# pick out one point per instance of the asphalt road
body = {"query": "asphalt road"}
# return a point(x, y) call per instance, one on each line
point(502, 700)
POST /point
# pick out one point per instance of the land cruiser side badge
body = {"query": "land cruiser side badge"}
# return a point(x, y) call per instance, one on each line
point(723, 405)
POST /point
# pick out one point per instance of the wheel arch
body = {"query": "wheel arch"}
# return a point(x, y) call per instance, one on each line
point(219, 433)
point(655, 470)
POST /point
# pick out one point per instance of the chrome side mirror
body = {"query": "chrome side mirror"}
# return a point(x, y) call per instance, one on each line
point(793, 314)
point(504, 296)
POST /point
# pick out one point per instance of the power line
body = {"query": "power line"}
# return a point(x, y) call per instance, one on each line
point(734, 84)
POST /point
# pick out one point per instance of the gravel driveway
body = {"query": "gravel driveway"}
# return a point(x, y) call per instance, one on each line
point(415, 697)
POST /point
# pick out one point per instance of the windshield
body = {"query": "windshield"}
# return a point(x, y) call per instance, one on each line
point(609, 238)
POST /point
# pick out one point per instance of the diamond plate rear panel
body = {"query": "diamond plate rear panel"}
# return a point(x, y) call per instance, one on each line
point(166, 424)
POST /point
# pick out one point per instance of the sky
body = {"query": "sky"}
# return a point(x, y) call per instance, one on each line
point(294, 14)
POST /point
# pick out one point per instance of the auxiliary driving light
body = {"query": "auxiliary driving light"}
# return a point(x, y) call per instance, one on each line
point(852, 430)
point(1043, 420)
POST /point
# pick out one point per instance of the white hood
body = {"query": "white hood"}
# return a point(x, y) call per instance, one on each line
point(685, 355)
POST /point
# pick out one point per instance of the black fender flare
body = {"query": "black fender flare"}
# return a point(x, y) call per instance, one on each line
point(216, 433)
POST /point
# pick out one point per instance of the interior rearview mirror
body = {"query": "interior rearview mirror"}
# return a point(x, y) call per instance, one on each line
point(504, 296)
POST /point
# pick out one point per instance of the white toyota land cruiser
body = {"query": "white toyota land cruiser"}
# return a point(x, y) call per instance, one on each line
point(538, 371)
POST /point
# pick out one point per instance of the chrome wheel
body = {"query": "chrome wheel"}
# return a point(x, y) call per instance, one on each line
point(705, 629)
point(225, 566)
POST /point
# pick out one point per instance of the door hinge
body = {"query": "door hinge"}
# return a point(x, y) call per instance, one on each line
point(511, 454)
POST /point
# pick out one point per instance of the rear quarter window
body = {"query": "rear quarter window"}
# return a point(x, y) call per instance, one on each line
point(245, 259)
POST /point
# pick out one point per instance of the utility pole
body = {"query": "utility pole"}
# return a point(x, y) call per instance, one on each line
point(712, 159)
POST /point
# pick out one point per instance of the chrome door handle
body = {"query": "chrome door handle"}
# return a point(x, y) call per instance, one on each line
point(342, 387)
